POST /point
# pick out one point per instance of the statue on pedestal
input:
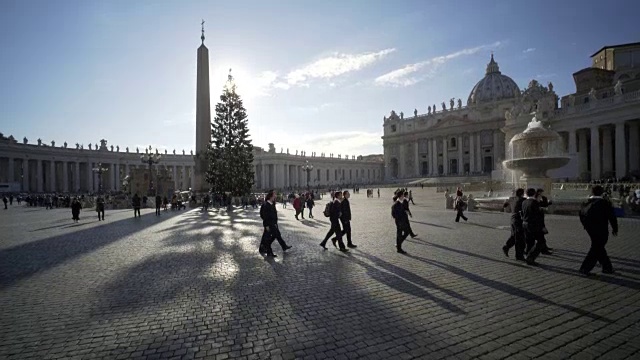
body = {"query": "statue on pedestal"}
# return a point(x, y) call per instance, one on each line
point(53, 143)
point(65, 144)
point(165, 151)
point(287, 151)
point(617, 89)
point(451, 102)
point(415, 112)
point(90, 147)
point(77, 146)
point(174, 151)
point(401, 115)
point(191, 152)
point(118, 148)
point(111, 147)
point(82, 147)
point(127, 149)
point(444, 106)
point(429, 110)
point(459, 103)
point(550, 86)
point(296, 152)
point(182, 151)
point(280, 150)
point(25, 141)
point(433, 108)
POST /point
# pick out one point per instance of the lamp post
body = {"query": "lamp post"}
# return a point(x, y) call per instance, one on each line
point(99, 170)
point(307, 167)
point(150, 159)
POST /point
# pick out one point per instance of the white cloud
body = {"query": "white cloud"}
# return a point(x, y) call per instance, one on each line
point(335, 65)
point(545, 76)
point(529, 50)
point(403, 76)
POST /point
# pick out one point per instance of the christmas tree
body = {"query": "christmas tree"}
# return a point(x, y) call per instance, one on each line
point(230, 154)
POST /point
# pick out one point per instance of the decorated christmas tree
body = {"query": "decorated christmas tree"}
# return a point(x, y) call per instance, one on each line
point(230, 154)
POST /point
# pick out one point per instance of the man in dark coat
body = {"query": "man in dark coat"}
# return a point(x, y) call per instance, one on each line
point(532, 222)
point(345, 217)
point(100, 208)
point(158, 204)
point(135, 202)
point(401, 218)
point(517, 232)
point(405, 203)
point(334, 217)
point(596, 215)
point(269, 216)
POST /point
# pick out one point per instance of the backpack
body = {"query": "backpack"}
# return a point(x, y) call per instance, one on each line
point(327, 210)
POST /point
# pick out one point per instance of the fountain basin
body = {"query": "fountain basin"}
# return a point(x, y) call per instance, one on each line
point(536, 167)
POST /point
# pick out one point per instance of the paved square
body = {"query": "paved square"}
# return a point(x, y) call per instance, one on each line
point(191, 285)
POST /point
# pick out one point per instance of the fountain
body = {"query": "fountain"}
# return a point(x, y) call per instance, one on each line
point(533, 152)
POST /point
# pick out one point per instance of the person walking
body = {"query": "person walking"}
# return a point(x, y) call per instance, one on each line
point(459, 206)
point(297, 204)
point(310, 205)
point(100, 208)
point(345, 218)
point(595, 215)
point(4, 200)
point(411, 197)
point(334, 217)
point(158, 204)
point(135, 202)
point(544, 204)
point(269, 216)
point(405, 203)
point(75, 209)
point(401, 218)
point(532, 223)
point(378, 192)
point(517, 232)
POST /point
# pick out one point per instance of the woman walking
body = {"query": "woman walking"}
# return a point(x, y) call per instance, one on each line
point(459, 206)
point(75, 209)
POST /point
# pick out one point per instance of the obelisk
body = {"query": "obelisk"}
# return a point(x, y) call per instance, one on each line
point(203, 117)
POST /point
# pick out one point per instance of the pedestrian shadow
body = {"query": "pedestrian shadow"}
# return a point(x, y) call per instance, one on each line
point(467, 253)
point(408, 283)
point(509, 289)
point(50, 227)
point(484, 226)
point(614, 279)
point(624, 261)
point(430, 224)
point(310, 223)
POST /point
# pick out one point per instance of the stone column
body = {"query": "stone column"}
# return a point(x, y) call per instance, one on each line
point(416, 160)
point(460, 158)
point(402, 166)
point(184, 185)
point(479, 163)
point(263, 176)
point(595, 153)
point(11, 170)
point(52, 176)
point(496, 149)
point(287, 175)
point(90, 176)
point(583, 155)
point(634, 145)
point(445, 157)
point(607, 150)
point(572, 142)
point(114, 176)
point(25, 175)
point(193, 179)
point(76, 177)
point(65, 176)
point(39, 176)
point(175, 177)
point(621, 153)
point(472, 154)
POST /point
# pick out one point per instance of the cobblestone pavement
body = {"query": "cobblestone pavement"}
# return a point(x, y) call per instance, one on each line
point(192, 285)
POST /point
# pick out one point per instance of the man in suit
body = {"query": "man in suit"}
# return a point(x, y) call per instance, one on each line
point(532, 222)
point(405, 203)
point(269, 216)
point(345, 217)
point(401, 218)
point(334, 217)
point(158, 204)
point(517, 231)
point(596, 215)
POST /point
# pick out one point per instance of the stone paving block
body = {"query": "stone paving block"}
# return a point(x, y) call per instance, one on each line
point(191, 285)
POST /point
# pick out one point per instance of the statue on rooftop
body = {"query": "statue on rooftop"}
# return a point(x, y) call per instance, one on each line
point(90, 148)
point(25, 141)
point(401, 115)
point(65, 144)
point(118, 148)
point(429, 110)
point(111, 147)
point(617, 89)
point(174, 151)
point(459, 103)
point(451, 102)
point(550, 86)
point(415, 112)
point(444, 106)
point(53, 143)
point(77, 146)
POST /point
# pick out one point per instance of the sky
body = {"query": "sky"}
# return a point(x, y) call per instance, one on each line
point(314, 75)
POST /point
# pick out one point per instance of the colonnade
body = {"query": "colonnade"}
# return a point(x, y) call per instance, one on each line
point(610, 150)
point(279, 174)
point(51, 175)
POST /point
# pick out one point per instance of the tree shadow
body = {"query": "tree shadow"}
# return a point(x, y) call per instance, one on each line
point(508, 289)
point(25, 260)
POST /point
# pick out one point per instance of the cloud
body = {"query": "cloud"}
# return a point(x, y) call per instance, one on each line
point(334, 66)
point(403, 76)
point(529, 50)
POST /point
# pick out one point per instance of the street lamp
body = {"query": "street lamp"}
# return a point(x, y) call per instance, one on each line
point(150, 159)
point(99, 170)
point(307, 167)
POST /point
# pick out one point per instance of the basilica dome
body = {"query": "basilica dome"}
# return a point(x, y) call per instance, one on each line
point(493, 87)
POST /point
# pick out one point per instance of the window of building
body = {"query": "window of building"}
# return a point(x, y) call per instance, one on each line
point(452, 142)
point(393, 128)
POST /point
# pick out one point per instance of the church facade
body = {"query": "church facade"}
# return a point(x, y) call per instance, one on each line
point(599, 124)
